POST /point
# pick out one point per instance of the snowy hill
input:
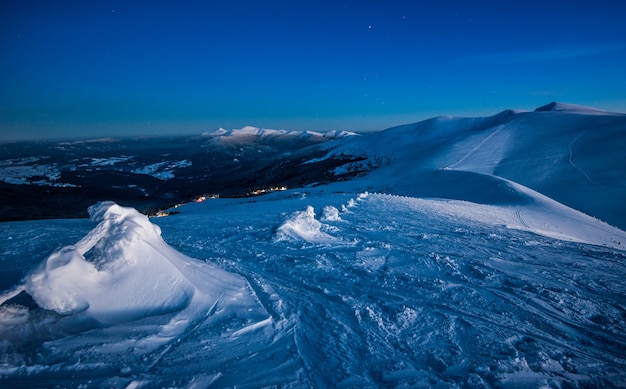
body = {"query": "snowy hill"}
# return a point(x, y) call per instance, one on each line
point(572, 154)
point(447, 253)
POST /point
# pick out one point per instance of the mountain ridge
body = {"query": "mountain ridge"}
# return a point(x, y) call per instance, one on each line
point(567, 152)
point(573, 156)
point(573, 108)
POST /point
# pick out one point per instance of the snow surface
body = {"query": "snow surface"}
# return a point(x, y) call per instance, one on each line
point(455, 269)
point(21, 171)
point(320, 289)
point(120, 296)
point(110, 161)
point(162, 170)
point(572, 155)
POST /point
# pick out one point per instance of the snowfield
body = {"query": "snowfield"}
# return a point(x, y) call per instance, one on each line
point(572, 154)
point(445, 266)
point(24, 170)
point(162, 170)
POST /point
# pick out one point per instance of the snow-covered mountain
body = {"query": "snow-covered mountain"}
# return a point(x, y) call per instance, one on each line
point(446, 253)
point(256, 133)
point(573, 108)
point(572, 154)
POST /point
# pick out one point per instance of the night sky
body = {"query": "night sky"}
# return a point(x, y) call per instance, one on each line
point(110, 68)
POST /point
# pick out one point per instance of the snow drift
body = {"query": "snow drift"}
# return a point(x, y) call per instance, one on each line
point(130, 273)
point(303, 226)
point(120, 277)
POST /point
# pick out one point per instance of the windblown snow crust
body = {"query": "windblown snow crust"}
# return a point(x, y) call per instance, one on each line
point(304, 225)
point(128, 263)
point(320, 290)
point(120, 289)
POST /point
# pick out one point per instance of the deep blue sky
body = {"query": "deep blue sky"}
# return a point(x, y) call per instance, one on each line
point(95, 68)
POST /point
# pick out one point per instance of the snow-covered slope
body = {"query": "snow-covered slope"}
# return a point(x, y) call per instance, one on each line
point(470, 268)
point(316, 289)
point(123, 297)
point(569, 153)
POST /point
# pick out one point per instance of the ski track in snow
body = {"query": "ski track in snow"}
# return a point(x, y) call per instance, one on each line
point(571, 155)
point(473, 150)
point(399, 292)
point(401, 308)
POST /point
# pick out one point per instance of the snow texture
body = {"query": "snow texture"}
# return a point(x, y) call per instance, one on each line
point(162, 170)
point(121, 276)
point(23, 170)
point(572, 154)
point(455, 263)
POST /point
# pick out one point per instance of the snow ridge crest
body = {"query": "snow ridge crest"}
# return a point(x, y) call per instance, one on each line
point(571, 108)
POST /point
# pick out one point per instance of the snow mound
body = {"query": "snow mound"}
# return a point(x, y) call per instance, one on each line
point(302, 225)
point(331, 214)
point(121, 302)
point(126, 250)
point(122, 271)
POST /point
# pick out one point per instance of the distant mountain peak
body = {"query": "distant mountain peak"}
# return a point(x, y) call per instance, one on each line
point(571, 108)
point(251, 131)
